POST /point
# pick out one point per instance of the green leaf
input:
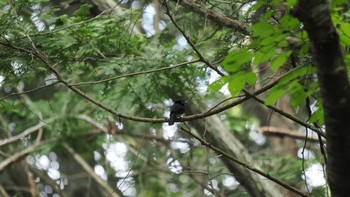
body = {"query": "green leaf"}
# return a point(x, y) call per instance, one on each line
point(280, 60)
point(274, 95)
point(289, 23)
point(297, 92)
point(262, 29)
point(235, 59)
point(344, 33)
point(304, 50)
point(236, 84)
point(217, 85)
point(250, 78)
point(317, 116)
point(83, 11)
point(291, 3)
point(297, 73)
point(261, 57)
point(66, 41)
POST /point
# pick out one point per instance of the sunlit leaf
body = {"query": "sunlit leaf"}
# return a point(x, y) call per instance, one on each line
point(236, 85)
point(218, 84)
point(250, 78)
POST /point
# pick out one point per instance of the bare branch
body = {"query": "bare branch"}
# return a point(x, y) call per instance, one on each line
point(19, 155)
point(26, 132)
point(274, 131)
point(90, 171)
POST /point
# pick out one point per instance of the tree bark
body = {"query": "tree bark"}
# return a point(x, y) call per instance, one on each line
point(334, 86)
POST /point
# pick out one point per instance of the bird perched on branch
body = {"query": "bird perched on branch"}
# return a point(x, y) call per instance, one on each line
point(176, 110)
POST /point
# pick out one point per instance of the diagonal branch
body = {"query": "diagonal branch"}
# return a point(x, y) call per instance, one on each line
point(90, 171)
point(201, 57)
point(28, 91)
point(222, 20)
point(282, 132)
point(231, 158)
point(19, 155)
point(26, 132)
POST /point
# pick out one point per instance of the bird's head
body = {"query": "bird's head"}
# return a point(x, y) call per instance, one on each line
point(182, 102)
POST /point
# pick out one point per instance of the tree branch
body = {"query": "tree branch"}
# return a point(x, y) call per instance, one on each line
point(222, 20)
point(135, 74)
point(245, 165)
point(281, 132)
point(28, 91)
point(90, 171)
point(26, 132)
point(19, 155)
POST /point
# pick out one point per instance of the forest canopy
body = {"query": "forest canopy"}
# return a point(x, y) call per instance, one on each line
point(87, 89)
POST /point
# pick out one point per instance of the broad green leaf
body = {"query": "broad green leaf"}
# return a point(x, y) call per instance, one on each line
point(344, 33)
point(262, 29)
point(274, 95)
point(297, 73)
point(347, 60)
point(317, 116)
point(279, 60)
point(217, 85)
point(235, 59)
point(268, 41)
point(261, 57)
point(297, 92)
point(250, 78)
point(304, 50)
point(236, 84)
point(289, 23)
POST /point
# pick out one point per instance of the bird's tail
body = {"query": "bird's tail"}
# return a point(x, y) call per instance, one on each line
point(171, 119)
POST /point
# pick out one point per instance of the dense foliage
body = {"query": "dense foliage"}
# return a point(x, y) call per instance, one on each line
point(85, 94)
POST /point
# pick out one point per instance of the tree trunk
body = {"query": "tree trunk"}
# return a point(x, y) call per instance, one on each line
point(335, 91)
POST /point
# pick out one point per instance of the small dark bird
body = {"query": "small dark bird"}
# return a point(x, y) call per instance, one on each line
point(176, 110)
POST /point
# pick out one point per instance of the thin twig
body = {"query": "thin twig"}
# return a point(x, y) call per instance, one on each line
point(287, 115)
point(201, 57)
point(134, 74)
point(28, 91)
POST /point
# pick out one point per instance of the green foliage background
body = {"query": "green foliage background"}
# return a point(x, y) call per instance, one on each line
point(85, 49)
